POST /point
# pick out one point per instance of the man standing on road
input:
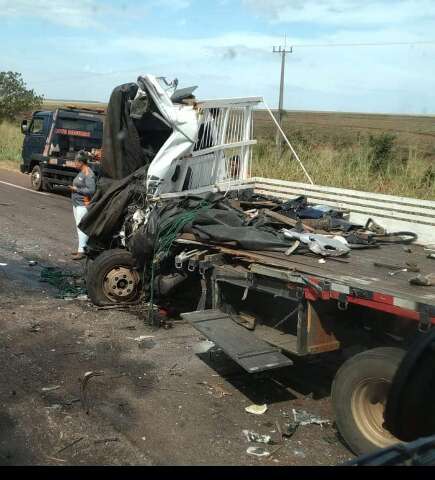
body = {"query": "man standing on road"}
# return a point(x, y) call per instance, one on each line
point(82, 189)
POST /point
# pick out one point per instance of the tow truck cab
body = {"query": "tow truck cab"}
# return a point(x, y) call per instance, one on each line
point(53, 138)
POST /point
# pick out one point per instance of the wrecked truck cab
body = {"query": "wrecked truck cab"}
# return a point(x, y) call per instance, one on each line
point(183, 121)
point(210, 141)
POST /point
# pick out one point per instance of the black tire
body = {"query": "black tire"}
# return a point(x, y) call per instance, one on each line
point(36, 178)
point(88, 263)
point(102, 276)
point(410, 411)
point(359, 394)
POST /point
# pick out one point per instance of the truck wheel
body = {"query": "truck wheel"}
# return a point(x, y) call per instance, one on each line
point(359, 395)
point(36, 178)
point(110, 278)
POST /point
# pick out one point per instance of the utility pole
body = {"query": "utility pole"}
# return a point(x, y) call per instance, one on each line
point(283, 51)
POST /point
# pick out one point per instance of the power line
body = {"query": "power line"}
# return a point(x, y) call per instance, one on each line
point(302, 45)
point(368, 44)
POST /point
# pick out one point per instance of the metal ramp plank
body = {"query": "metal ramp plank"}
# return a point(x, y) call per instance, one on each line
point(242, 345)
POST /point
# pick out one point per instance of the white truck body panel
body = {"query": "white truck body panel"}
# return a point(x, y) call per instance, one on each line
point(210, 143)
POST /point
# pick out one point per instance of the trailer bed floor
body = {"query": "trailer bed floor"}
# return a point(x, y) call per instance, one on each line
point(360, 271)
point(357, 270)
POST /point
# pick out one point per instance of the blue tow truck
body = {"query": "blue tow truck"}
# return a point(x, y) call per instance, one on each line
point(53, 138)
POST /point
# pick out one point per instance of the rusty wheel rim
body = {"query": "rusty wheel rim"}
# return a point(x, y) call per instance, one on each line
point(120, 284)
point(368, 405)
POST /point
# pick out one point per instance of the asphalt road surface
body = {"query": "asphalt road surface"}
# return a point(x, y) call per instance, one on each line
point(157, 400)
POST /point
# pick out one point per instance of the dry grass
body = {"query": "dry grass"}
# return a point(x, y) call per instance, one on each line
point(11, 141)
point(335, 149)
point(349, 167)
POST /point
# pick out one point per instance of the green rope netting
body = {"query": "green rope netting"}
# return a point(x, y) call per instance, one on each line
point(68, 284)
point(166, 235)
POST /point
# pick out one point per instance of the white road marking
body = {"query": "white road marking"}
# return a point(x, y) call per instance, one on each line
point(23, 188)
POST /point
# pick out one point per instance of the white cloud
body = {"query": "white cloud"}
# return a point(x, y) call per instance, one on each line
point(77, 13)
point(173, 4)
point(377, 79)
point(395, 79)
point(84, 13)
point(345, 13)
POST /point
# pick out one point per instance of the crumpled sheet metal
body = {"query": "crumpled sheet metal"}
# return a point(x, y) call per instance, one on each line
point(319, 244)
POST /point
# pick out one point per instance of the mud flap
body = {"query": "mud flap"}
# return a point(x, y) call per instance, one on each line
point(251, 353)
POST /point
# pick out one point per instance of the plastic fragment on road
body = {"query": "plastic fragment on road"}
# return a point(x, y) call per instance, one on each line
point(257, 452)
point(50, 389)
point(83, 392)
point(256, 437)
point(203, 347)
point(304, 418)
point(421, 280)
point(141, 338)
point(290, 429)
point(3, 264)
point(299, 453)
point(256, 409)
point(216, 390)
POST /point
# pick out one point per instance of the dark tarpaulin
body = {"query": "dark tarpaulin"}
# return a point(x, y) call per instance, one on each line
point(217, 222)
point(123, 170)
point(122, 152)
point(107, 211)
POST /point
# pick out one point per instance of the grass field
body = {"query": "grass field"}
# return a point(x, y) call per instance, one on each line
point(11, 140)
point(392, 154)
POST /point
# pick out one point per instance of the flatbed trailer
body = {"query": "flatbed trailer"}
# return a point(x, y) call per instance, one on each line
point(263, 308)
point(344, 284)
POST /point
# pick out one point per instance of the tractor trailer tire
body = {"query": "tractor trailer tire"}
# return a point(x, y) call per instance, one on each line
point(359, 396)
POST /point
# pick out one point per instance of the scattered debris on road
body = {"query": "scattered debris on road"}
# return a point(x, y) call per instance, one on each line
point(290, 429)
point(50, 389)
point(203, 347)
point(70, 285)
point(83, 392)
point(256, 409)
point(256, 437)
point(304, 418)
point(106, 440)
point(258, 452)
point(216, 390)
point(421, 280)
point(35, 328)
point(75, 442)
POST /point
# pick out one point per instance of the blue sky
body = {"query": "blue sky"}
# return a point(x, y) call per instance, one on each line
point(81, 49)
